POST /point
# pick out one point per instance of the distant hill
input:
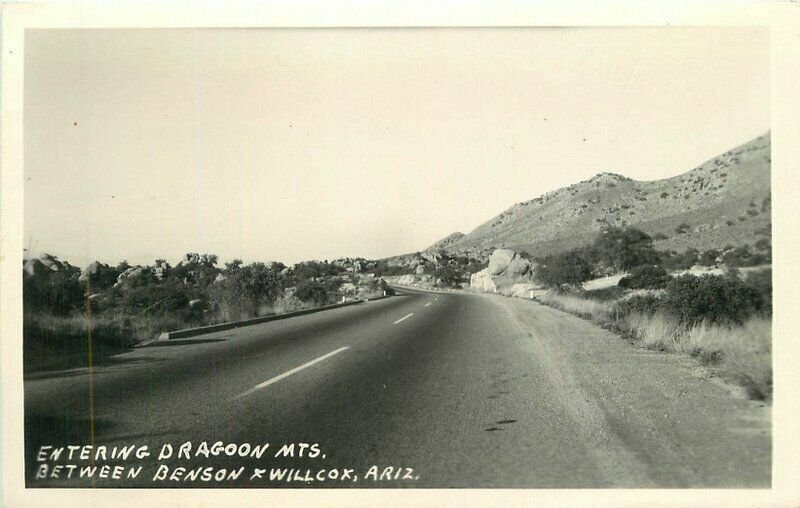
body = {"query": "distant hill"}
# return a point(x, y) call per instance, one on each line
point(726, 200)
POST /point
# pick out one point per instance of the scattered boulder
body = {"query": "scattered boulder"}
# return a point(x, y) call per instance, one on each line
point(160, 269)
point(506, 269)
point(133, 271)
point(32, 267)
point(190, 258)
point(91, 270)
point(50, 262)
point(499, 261)
point(43, 265)
point(348, 288)
point(482, 281)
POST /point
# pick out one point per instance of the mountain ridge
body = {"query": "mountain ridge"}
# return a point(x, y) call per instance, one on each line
point(723, 201)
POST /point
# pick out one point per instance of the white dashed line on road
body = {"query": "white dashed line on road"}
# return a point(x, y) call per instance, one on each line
point(403, 318)
point(288, 373)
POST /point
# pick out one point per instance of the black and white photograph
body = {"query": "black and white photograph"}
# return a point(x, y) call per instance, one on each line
point(387, 257)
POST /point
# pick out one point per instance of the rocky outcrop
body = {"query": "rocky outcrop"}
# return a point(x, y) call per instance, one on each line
point(506, 269)
point(91, 270)
point(190, 258)
point(129, 273)
point(43, 265)
point(482, 281)
point(500, 260)
point(424, 281)
point(32, 267)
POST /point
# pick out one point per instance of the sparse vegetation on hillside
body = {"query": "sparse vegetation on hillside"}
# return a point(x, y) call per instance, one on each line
point(435, 269)
point(723, 201)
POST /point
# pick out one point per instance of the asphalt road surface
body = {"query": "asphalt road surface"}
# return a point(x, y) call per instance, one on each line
point(447, 390)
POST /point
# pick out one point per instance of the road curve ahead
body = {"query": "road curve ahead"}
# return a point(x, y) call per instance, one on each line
point(419, 390)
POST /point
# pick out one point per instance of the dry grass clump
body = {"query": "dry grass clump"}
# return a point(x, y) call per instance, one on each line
point(740, 353)
point(653, 331)
point(107, 331)
point(585, 308)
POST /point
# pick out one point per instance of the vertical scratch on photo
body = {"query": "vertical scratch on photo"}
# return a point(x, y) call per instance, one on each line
point(89, 361)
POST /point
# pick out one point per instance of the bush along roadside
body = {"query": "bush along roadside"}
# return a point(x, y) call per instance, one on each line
point(108, 309)
point(724, 321)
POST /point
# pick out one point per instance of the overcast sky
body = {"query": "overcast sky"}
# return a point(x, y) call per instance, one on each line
point(286, 144)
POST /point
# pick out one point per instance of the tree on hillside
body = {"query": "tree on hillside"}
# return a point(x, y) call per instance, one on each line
point(624, 248)
point(570, 268)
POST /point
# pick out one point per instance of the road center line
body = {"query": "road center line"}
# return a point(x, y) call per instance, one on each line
point(288, 373)
point(427, 304)
point(403, 318)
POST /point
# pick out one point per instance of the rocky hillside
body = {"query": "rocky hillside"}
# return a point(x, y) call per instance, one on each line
point(725, 201)
point(444, 243)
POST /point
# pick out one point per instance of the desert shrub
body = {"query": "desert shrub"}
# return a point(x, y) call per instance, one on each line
point(384, 269)
point(740, 256)
point(246, 291)
point(761, 283)
point(475, 266)
point(318, 292)
point(570, 268)
point(672, 260)
point(315, 269)
point(199, 271)
point(449, 276)
point(759, 258)
point(645, 277)
point(608, 294)
point(708, 257)
point(104, 277)
point(388, 289)
point(57, 292)
point(683, 228)
point(638, 304)
point(624, 248)
point(714, 299)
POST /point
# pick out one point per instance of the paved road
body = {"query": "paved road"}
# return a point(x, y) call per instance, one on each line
point(448, 390)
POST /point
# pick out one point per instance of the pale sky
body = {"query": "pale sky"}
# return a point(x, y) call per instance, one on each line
point(289, 144)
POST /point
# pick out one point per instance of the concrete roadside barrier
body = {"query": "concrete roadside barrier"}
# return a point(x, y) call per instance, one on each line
point(191, 332)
